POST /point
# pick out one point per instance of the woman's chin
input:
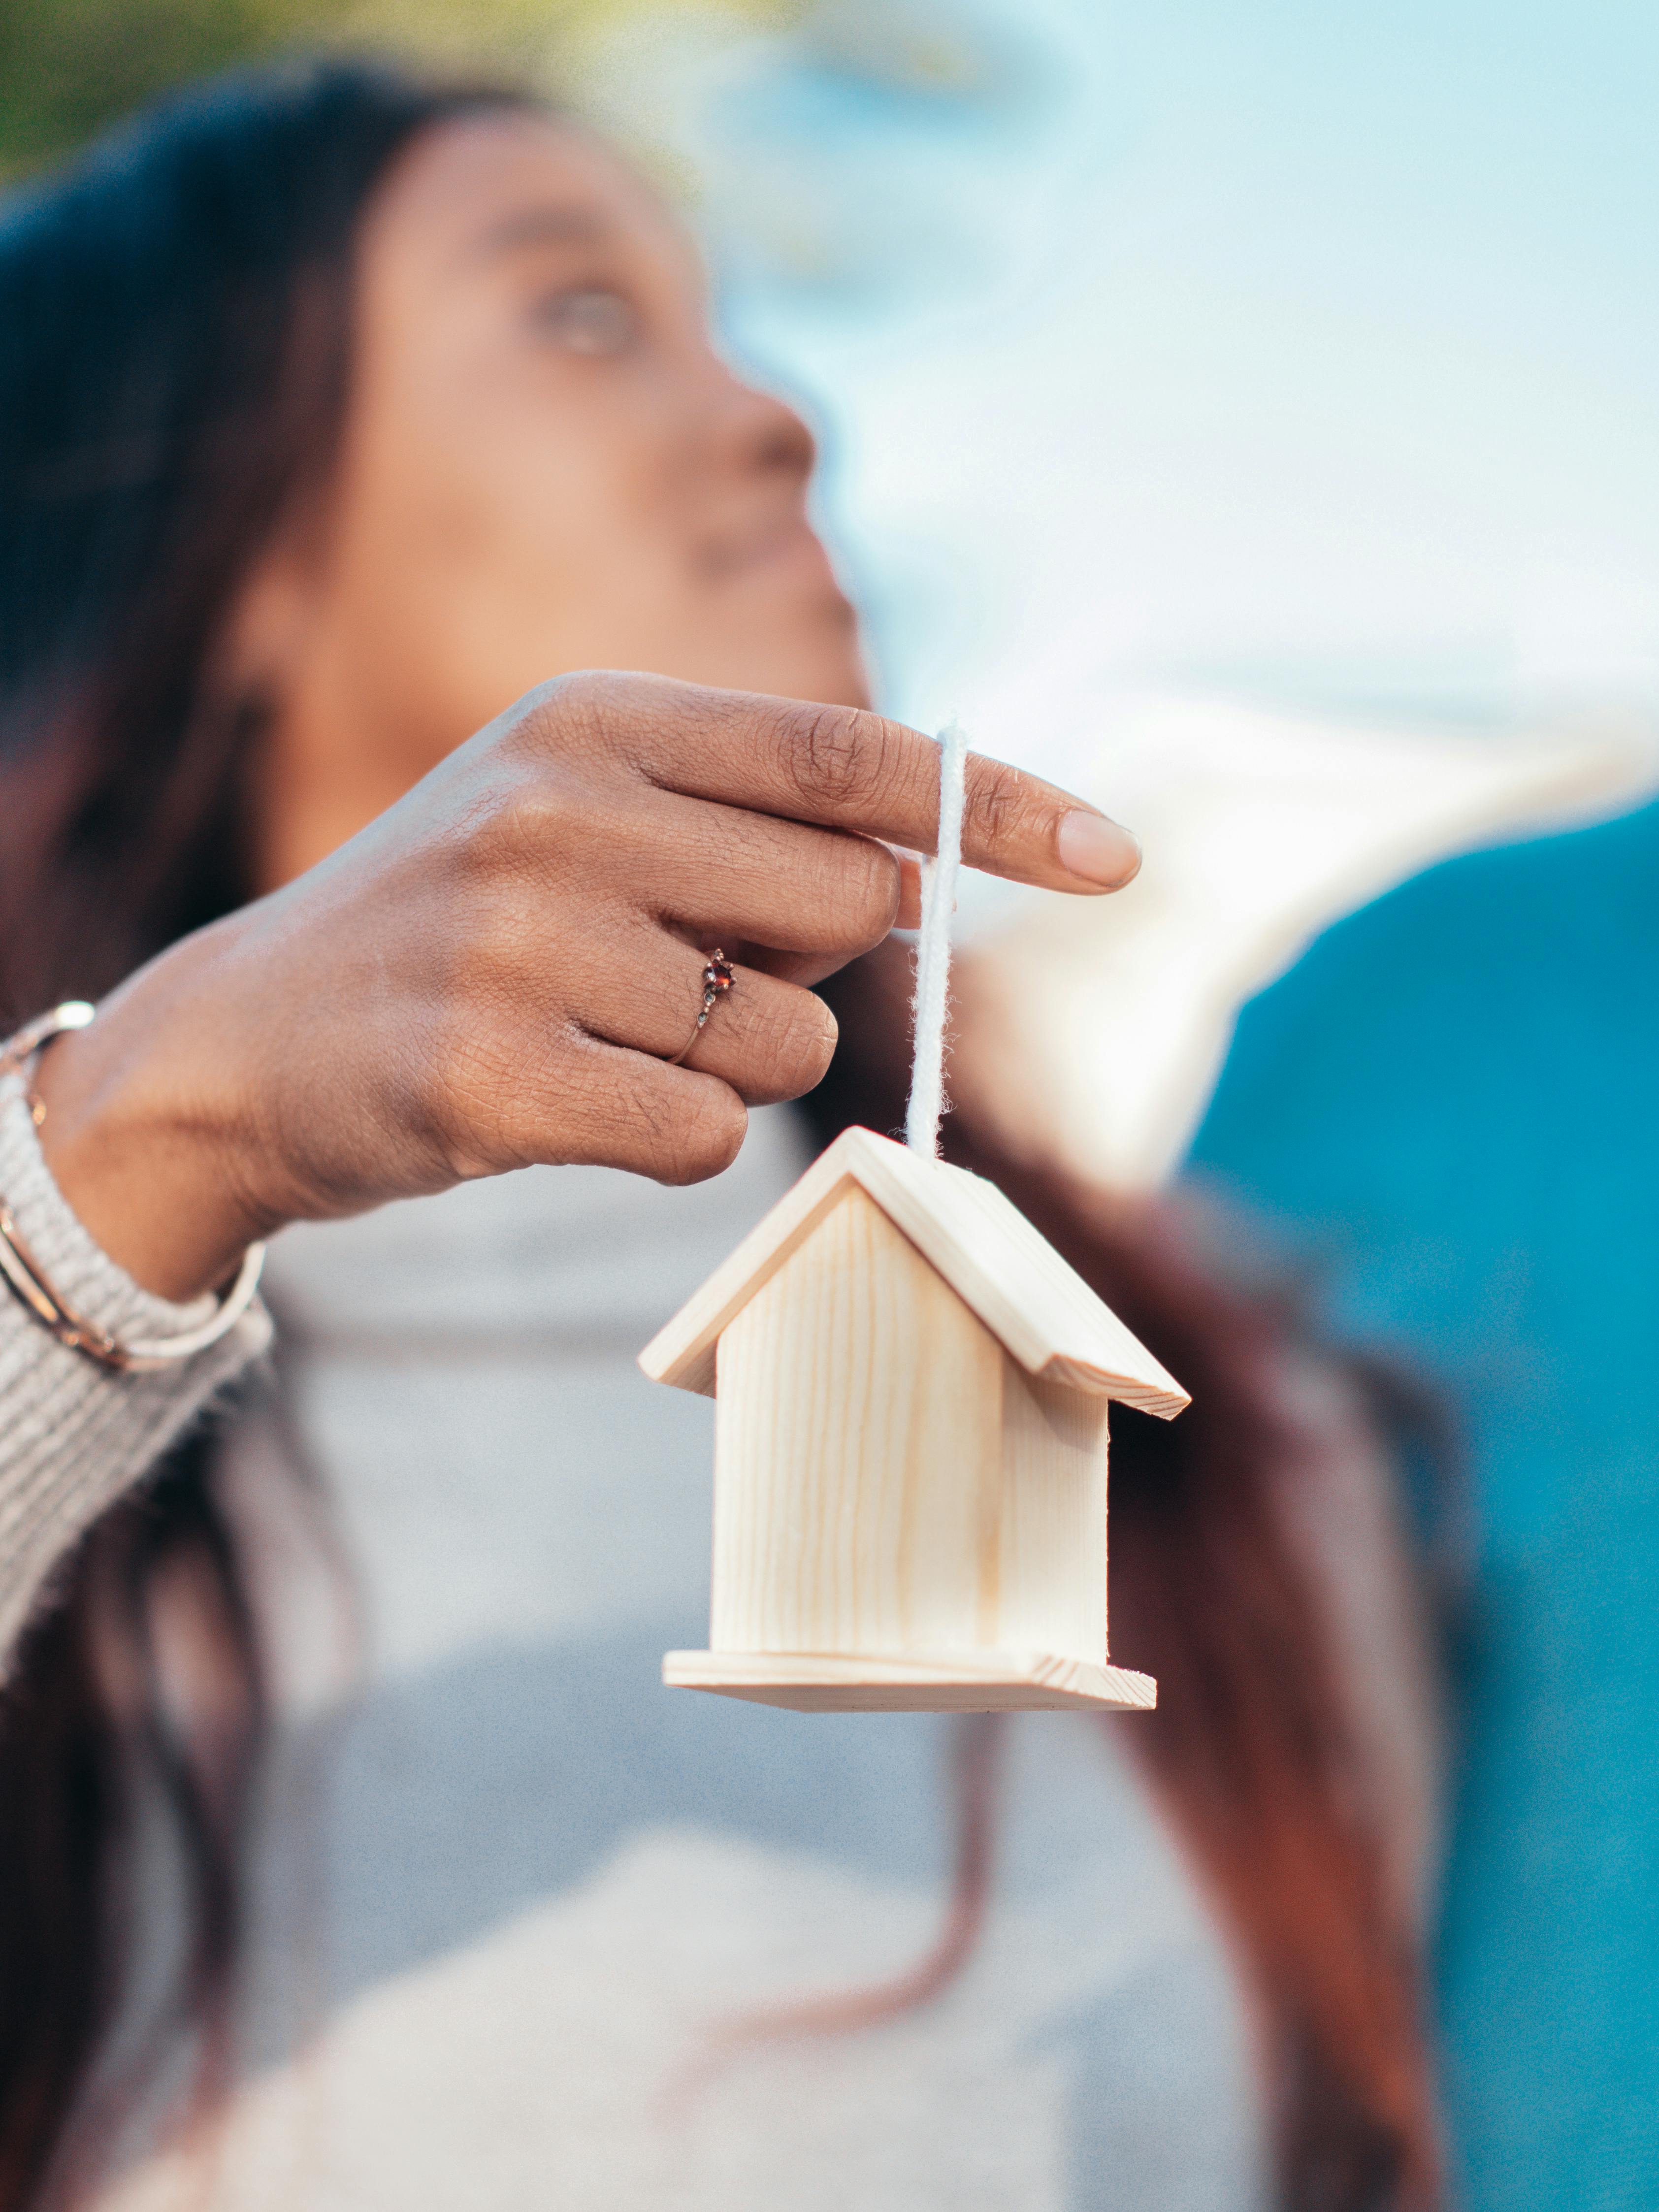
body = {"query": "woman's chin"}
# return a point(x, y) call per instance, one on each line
point(826, 664)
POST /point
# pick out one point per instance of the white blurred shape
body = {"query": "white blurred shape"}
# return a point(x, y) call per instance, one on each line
point(1096, 1029)
point(1585, 631)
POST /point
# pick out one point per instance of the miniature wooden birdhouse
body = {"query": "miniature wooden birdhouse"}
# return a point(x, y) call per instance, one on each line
point(911, 1389)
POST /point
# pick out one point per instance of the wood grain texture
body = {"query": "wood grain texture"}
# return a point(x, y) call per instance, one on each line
point(1051, 1520)
point(857, 1454)
point(1036, 1306)
point(913, 1682)
point(899, 1508)
point(910, 1459)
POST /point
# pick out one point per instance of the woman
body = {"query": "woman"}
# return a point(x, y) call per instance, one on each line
point(340, 414)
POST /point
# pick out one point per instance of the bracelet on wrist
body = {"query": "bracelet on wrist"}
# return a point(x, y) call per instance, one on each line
point(33, 1288)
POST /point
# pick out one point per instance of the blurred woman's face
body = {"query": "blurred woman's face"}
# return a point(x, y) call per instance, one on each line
point(545, 467)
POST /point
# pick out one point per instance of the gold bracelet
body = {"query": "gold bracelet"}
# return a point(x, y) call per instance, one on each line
point(28, 1280)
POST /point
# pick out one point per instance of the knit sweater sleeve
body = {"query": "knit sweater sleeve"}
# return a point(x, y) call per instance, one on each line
point(73, 1436)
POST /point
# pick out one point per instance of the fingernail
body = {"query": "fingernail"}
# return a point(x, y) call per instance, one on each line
point(1099, 850)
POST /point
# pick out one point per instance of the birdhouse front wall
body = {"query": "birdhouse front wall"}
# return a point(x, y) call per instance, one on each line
point(886, 1477)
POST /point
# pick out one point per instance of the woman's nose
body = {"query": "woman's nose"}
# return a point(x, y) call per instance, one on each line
point(763, 435)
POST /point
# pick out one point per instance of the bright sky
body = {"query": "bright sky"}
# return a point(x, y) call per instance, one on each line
point(1244, 413)
point(1309, 352)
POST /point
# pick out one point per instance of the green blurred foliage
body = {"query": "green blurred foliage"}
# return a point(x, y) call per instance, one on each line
point(68, 66)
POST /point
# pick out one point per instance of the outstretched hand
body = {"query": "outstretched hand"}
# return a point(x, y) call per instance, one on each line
point(500, 968)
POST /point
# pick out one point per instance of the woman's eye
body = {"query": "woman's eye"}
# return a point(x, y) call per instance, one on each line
point(594, 322)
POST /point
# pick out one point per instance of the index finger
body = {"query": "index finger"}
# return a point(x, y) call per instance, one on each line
point(842, 769)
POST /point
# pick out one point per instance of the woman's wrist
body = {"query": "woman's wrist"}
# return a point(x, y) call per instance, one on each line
point(145, 1135)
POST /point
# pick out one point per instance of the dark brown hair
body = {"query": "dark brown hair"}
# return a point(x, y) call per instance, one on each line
point(1253, 1750)
point(174, 320)
point(173, 370)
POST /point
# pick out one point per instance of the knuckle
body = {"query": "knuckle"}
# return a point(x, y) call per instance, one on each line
point(581, 692)
point(834, 753)
point(1004, 810)
point(791, 1047)
point(496, 970)
point(580, 712)
point(558, 695)
point(623, 712)
point(536, 819)
point(873, 895)
point(999, 803)
point(844, 891)
point(468, 1096)
point(820, 1033)
point(699, 1132)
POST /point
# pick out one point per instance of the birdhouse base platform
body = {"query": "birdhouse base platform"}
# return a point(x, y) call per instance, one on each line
point(912, 1681)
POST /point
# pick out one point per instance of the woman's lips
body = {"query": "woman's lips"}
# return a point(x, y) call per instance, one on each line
point(786, 550)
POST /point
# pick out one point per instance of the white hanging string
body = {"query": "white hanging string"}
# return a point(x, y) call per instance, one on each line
point(932, 999)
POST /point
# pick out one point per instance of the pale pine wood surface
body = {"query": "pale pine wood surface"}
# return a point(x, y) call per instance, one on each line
point(910, 1477)
point(1037, 1307)
point(896, 1500)
point(858, 1450)
point(912, 1681)
point(1051, 1520)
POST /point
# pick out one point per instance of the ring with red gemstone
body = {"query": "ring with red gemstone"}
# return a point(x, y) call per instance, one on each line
point(718, 977)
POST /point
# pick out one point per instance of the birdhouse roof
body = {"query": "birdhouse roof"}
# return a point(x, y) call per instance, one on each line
point(1040, 1309)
